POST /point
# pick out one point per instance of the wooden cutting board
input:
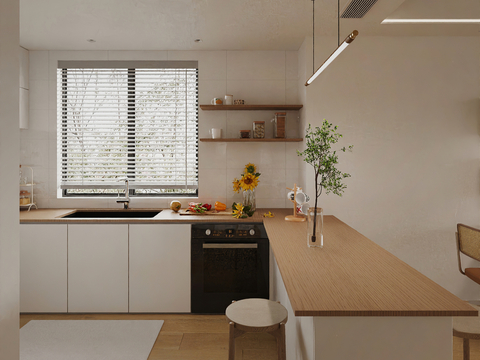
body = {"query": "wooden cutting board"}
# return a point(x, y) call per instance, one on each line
point(210, 212)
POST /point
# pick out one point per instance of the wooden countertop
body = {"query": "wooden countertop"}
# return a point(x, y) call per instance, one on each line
point(353, 276)
point(49, 216)
point(350, 276)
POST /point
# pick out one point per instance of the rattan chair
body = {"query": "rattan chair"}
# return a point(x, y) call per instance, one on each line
point(468, 243)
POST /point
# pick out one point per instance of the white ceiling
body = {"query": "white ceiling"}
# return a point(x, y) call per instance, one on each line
point(222, 24)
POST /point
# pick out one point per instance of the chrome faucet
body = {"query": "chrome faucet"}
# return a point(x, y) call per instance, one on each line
point(125, 199)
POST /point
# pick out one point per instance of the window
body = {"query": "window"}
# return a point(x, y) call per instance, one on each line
point(135, 120)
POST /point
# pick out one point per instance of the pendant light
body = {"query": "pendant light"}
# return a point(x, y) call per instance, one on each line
point(337, 52)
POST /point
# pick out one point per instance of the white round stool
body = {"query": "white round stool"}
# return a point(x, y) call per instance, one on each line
point(257, 315)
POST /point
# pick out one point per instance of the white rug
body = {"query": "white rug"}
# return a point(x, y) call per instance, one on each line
point(88, 339)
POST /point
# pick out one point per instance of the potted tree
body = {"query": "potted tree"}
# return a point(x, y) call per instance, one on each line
point(324, 159)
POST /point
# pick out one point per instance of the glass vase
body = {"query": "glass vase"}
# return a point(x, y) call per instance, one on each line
point(315, 227)
point(249, 199)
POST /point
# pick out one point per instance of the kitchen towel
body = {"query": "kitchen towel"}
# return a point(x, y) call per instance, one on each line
point(88, 339)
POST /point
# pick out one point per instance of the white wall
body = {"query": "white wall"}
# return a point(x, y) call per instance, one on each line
point(9, 144)
point(410, 107)
point(258, 77)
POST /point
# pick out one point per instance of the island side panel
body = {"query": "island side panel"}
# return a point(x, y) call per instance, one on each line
point(299, 331)
point(379, 338)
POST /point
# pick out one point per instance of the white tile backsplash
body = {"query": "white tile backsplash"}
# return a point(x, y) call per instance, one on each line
point(271, 183)
point(34, 152)
point(258, 91)
point(263, 155)
point(212, 185)
point(52, 94)
point(243, 120)
point(38, 127)
point(292, 160)
point(212, 155)
point(258, 77)
point(209, 89)
point(38, 95)
point(271, 203)
point(209, 120)
point(291, 92)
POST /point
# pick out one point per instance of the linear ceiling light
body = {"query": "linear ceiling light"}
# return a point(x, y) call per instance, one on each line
point(332, 57)
point(337, 52)
point(431, 21)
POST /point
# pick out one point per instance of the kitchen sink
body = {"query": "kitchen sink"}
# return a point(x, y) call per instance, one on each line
point(112, 214)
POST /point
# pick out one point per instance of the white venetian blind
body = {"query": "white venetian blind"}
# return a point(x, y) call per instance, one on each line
point(127, 119)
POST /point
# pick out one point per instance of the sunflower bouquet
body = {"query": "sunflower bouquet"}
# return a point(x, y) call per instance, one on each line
point(249, 179)
point(248, 182)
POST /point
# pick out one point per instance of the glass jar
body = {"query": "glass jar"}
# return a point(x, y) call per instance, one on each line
point(279, 125)
point(24, 197)
point(315, 227)
point(245, 134)
point(258, 129)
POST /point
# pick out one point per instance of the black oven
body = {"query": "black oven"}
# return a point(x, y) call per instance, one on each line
point(229, 262)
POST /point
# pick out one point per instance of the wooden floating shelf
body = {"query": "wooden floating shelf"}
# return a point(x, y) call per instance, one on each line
point(251, 140)
point(251, 107)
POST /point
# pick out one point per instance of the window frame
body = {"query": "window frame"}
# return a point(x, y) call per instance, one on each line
point(131, 120)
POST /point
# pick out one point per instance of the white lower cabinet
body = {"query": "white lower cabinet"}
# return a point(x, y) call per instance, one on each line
point(159, 268)
point(98, 268)
point(43, 268)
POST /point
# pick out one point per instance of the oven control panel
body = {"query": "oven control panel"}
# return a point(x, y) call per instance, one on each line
point(224, 231)
point(229, 233)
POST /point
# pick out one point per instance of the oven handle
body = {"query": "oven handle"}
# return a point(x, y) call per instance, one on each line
point(230, 246)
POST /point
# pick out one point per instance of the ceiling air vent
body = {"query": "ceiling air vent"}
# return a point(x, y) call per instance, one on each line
point(357, 9)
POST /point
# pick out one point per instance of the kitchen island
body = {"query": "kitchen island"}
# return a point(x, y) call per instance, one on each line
point(355, 300)
point(350, 300)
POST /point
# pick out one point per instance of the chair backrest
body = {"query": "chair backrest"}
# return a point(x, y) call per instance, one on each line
point(469, 241)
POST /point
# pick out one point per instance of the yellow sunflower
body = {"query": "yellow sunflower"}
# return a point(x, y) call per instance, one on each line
point(237, 211)
point(250, 169)
point(236, 185)
point(248, 181)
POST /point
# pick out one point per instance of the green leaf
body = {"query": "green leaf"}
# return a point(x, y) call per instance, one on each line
point(323, 158)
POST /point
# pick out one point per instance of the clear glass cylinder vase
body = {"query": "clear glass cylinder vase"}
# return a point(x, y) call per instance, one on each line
point(315, 227)
point(249, 199)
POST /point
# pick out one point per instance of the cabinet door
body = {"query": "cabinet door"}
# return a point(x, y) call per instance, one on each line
point(43, 268)
point(159, 268)
point(98, 268)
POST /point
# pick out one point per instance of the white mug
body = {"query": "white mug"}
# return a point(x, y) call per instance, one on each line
point(228, 99)
point(304, 208)
point(216, 133)
point(301, 198)
point(216, 101)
